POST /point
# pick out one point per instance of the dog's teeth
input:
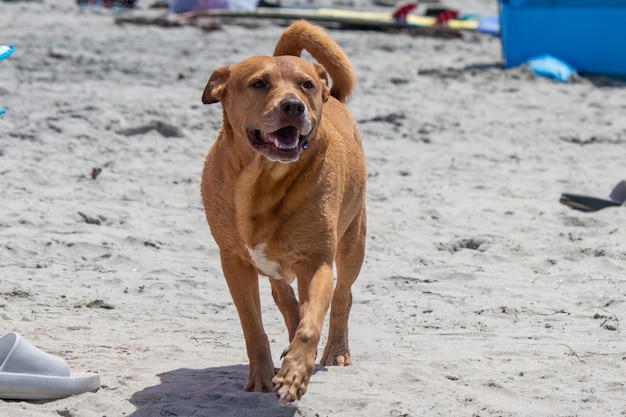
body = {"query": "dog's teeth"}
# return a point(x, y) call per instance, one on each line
point(282, 146)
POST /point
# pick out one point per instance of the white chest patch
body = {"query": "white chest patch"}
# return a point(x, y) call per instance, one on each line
point(265, 266)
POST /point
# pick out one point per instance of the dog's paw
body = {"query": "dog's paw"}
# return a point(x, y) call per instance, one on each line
point(336, 356)
point(292, 379)
point(258, 386)
point(260, 381)
point(288, 395)
point(289, 390)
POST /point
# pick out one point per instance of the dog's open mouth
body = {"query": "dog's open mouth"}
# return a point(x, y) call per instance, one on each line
point(282, 145)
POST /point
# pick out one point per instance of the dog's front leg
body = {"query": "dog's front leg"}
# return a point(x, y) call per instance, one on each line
point(315, 291)
point(243, 284)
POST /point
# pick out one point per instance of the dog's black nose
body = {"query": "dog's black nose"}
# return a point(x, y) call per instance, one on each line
point(292, 106)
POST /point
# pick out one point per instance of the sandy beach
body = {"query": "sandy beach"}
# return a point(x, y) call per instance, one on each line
point(481, 294)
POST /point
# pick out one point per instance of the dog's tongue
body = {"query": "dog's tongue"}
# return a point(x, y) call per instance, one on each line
point(285, 138)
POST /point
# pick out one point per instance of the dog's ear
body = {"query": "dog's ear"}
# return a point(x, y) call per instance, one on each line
point(323, 75)
point(214, 90)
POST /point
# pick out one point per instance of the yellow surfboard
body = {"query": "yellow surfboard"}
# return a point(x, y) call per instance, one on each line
point(354, 17)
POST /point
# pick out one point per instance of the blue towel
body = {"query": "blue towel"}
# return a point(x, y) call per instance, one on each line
point(5, 51)
point(551, 67)
point(489, 25)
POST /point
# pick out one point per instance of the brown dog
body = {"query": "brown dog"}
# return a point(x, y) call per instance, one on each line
point(283, 188)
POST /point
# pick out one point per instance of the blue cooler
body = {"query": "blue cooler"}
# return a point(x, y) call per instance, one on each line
point(590, 35)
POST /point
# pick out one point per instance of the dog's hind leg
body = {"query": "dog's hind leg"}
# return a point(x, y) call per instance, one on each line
point(285, 299)
point(349, 258)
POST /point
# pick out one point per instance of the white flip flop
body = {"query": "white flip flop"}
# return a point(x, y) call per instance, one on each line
point(28, 373)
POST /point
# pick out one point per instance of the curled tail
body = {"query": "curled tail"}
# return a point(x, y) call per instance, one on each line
point(305, 36)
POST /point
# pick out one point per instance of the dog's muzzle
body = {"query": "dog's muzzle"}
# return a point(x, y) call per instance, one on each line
point(282, 145)
point(285, 143)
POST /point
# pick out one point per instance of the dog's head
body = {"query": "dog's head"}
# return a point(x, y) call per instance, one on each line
point(275, 103)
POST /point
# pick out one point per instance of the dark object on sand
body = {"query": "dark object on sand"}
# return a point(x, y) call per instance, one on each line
point(589, 204)
point(127, 4)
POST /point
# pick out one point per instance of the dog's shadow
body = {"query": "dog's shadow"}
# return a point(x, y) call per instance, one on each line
point(210, 392)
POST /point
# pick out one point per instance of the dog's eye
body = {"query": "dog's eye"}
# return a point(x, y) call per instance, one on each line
point(308, 85)
point(259, 84)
